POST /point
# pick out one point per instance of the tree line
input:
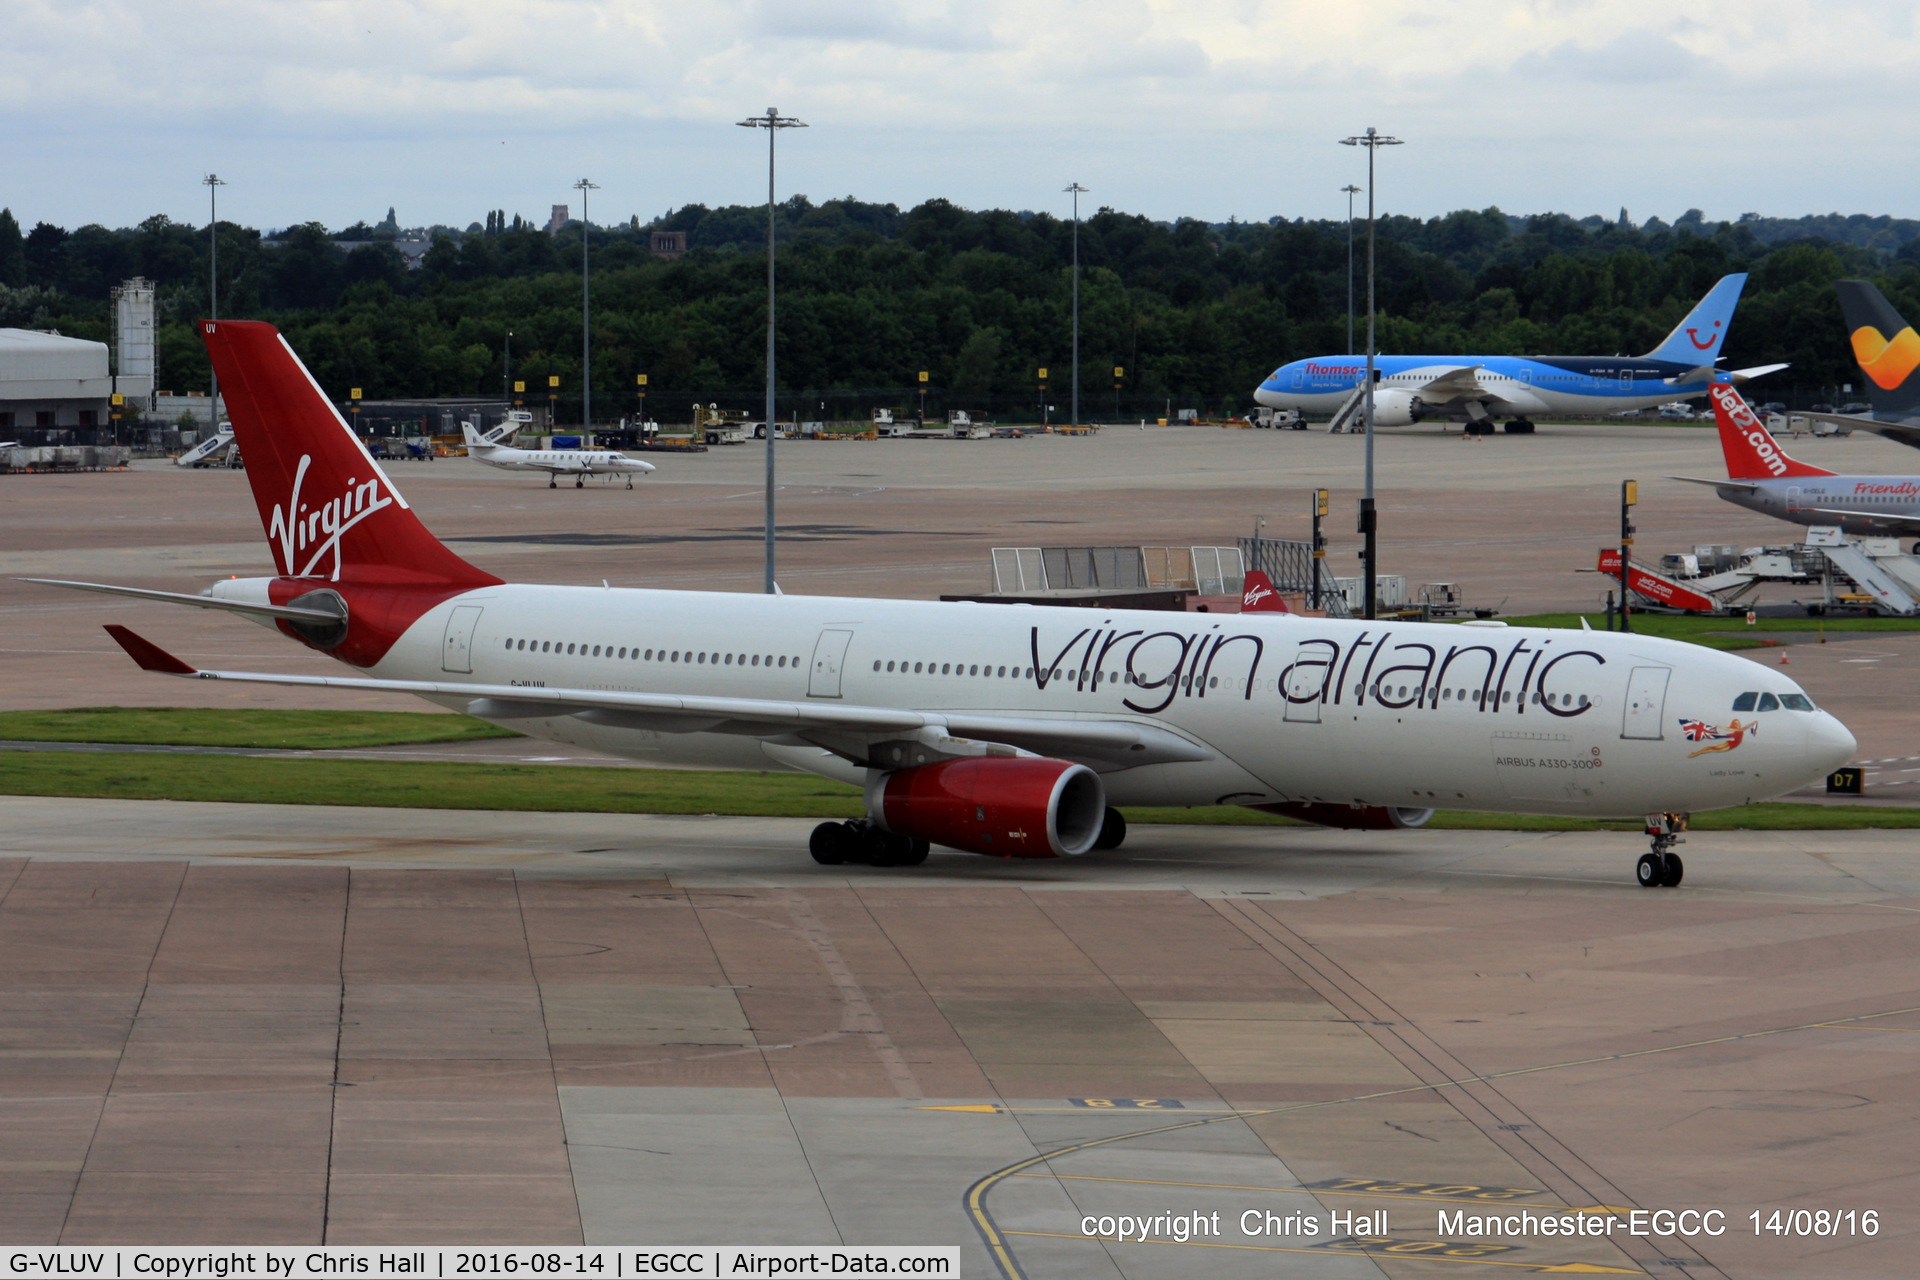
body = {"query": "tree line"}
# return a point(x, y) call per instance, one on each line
point(870, 295)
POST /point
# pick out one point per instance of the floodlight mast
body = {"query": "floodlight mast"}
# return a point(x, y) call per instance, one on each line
point(772, 122)
point(1076, 189)
point(1372, 140)
point(586, 342)
point(1351, 191)
point(213, 182)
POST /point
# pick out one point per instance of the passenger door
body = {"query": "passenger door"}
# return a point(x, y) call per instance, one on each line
point(829, 653)
point(456, 652)
point(1646, 707)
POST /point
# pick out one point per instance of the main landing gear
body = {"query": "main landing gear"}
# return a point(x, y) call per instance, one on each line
point(1113, 830)
point(1661, 868)
point(552, 483)
point(861, 841)
point(579, 482)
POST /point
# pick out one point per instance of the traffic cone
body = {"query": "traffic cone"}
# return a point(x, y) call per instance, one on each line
point(1783, 658)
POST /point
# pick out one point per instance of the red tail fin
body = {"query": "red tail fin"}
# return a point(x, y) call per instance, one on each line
point(1751, 452)
point(1259, 596)
point(328, 509)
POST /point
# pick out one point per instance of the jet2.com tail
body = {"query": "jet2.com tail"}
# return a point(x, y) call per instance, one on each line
point(1886, 348)
point(1750, 449)
point(330, 513)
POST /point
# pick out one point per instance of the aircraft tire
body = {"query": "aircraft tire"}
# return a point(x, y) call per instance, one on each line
point(1673, 871)
point(1479, 428)
point(1113, 831)
point(828, 844)
point(1650, 871)
point(1519, 427)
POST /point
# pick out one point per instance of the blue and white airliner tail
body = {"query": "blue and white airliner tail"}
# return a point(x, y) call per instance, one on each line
point(1477, 389)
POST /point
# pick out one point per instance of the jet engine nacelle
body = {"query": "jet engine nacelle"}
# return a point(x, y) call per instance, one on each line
point(1006, 807)
point(1394, 408)
point(1351, 817)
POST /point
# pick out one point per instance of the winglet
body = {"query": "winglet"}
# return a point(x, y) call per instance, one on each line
point(149, 655)
point(1259, 596)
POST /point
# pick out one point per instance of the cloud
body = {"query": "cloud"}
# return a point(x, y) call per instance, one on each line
point(332, 108)
point(1635, 57)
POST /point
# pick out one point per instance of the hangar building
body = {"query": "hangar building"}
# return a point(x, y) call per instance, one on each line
point(49, 381)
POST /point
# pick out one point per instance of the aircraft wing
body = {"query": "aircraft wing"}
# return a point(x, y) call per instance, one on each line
point(1874, 517)
point(1719, 484)
point(877, 736)
point(1905, 433)
point(1455, 384)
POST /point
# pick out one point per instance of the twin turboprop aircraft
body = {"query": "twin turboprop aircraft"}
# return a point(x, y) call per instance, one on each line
point(991, 729)
point(1478, 389)
point(578, 463)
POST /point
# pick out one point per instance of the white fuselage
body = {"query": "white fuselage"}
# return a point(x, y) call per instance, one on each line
point(1287, 708)
point(559, 462)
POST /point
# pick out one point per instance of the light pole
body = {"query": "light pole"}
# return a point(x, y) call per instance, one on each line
point(1076, 189)
point(1351, 191)
point(213, 182)
point(1372, 140)
point(772, 122)
point(506, 371)
point(586, 341)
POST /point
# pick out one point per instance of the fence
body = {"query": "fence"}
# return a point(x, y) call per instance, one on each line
point(1291, 567)
point(1207, 571)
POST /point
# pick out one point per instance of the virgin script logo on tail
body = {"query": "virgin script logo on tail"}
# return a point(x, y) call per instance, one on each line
point(1742, 417)
point(313, 530)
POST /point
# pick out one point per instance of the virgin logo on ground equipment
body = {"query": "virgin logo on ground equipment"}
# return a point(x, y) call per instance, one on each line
point(300, 529)
point(1755, 435)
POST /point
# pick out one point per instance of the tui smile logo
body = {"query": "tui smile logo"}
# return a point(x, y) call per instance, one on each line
point(1693, 336)
point(1887, 361)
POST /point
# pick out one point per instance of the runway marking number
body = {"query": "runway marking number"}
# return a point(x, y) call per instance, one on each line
point(1140, 1104)
point(1439, 1190)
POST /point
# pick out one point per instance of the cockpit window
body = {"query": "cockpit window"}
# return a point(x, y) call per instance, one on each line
point(1796, 702)
point(1745, 702)
point(1768, 703)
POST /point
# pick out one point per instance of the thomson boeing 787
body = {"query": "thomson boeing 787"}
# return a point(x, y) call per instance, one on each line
point(1478, 389)
point(992, 729)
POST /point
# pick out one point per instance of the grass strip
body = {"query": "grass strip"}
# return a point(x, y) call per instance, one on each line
point(564, 789)
point(242, 727)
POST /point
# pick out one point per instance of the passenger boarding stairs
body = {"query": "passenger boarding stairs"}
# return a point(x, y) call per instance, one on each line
point(1883, 576)
point(1350, 417)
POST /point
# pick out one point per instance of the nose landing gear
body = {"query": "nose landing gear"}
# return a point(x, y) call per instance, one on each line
point(1661, 867)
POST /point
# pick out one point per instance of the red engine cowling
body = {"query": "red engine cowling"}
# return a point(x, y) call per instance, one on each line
point(1005, 807)
point(1365, 817)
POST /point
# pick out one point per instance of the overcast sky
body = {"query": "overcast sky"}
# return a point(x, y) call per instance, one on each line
point(336, 109)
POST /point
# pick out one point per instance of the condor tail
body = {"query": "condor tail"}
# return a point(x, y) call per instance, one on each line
point(1752, 453)
point(328, 508)
point(1886, 348)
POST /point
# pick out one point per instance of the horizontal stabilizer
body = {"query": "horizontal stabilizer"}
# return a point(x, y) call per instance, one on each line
point(1718, 484)
point(290, 613)
point(149, 655)
point(1738, 376)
